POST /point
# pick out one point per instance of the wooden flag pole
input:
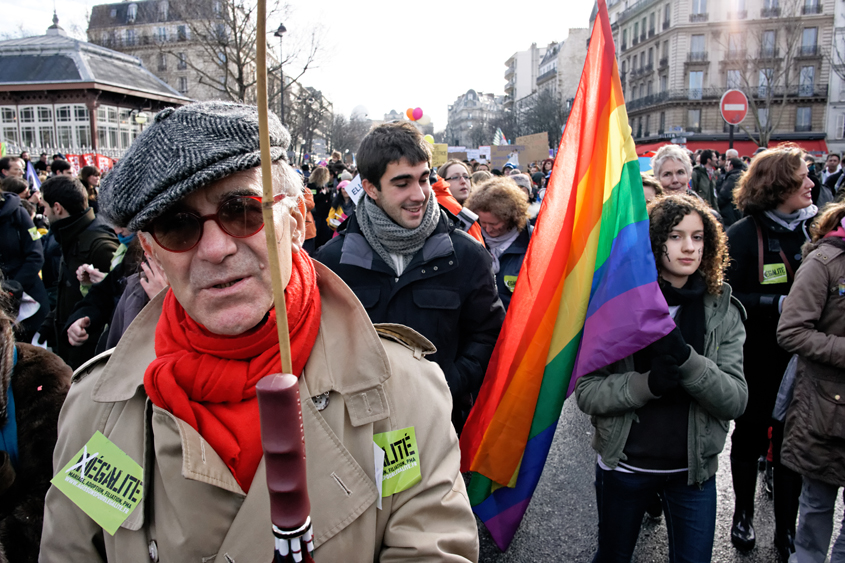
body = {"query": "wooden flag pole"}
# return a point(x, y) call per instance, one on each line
point(267, 184)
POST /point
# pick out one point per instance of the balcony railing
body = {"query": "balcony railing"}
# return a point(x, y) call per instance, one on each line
point(634, 9)
point(735, 55)
point(642, 36)
point(739, 15)
point(664, 62)
point(808, 51)
point(624, 46)
point(770, 12)
point(699, 18)
point(666, 25)
point(769, 53)
point(697, 57)
point(810, 8)
point(635, 41)
point(546, 76)
point(651, 33)
point(795, 91)
point(803, 127)
point(713, 95)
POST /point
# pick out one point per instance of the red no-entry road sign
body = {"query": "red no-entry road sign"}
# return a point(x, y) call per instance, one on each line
point(734, 106)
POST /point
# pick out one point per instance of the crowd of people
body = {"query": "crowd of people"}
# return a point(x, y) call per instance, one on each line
point(153, 285)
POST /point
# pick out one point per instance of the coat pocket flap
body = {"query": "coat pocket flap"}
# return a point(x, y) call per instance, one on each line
point(436, 298)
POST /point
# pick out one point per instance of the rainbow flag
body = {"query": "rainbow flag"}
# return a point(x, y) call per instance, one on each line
point(586, 296)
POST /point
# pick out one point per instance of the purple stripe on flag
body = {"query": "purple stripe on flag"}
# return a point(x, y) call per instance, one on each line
point(611, 334)
point(503, 526)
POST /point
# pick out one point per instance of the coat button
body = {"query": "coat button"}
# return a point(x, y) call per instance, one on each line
point(435, 268)
point(423, 271)
point(836, 397)
point(450, 262)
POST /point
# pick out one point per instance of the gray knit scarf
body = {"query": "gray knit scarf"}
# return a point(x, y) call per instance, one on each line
point(386, 237)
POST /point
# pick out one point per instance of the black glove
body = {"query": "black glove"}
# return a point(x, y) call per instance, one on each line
point(664, 375)
point(673, 344)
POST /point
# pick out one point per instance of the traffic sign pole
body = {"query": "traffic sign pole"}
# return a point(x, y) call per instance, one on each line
point(731, 136)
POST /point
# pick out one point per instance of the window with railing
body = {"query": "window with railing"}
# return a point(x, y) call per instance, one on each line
point(699, 11)
point(182, 33)
point(662, 127)
point(696, 84)
point(181, 61)
point(162, 10)
point(161, 34)
point(130, 37)
point(806, 80)
point(812, 7)
point(183, 85)
point(162, 61)
point(809, 41)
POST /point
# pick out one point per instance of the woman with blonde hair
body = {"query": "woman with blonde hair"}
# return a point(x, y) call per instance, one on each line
point(775, 197)
point(502, 210)
point(458, 175)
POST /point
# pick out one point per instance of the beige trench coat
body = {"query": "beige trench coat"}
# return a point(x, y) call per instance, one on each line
point(193, 510)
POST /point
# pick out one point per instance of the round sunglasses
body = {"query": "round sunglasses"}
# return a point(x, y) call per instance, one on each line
point(238, 217)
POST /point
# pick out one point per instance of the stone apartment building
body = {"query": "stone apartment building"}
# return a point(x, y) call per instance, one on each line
point(469, 116)
point(183, 43)
point(678, 57)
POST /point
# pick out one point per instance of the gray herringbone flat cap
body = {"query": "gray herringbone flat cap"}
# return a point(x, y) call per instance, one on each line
point(182, 151)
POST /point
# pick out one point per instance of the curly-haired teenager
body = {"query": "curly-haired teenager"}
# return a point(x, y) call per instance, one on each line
point(662, 414)
point(502, 210)
point(775, 195)
point(812, 325)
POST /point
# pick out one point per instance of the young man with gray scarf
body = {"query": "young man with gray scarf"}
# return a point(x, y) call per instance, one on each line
point(408, 262)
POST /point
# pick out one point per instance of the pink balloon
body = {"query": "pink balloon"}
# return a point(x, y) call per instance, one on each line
point(417, 113)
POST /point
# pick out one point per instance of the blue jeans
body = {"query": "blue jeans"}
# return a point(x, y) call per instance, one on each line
point(622, 499)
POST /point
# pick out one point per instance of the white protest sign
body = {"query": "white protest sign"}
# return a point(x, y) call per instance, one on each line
point(354, 189)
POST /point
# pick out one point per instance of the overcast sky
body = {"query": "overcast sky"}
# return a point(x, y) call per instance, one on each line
point(385, 55)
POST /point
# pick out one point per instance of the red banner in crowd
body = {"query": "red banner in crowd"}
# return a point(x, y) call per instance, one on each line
point(103, 163)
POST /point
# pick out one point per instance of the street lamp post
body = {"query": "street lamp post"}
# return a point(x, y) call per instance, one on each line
point(279, 33)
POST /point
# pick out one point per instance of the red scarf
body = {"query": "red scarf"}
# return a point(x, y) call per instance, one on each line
point(208, 380)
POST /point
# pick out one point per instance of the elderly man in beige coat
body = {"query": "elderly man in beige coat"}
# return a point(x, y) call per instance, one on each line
point(157, 396)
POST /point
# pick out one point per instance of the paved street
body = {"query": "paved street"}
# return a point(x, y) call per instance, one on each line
point(560, 524)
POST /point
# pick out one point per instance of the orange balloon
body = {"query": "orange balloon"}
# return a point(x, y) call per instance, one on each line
point(410, 113)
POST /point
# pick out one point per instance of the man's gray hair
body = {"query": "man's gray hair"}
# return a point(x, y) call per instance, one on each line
point(731, 153)
point(670, 152)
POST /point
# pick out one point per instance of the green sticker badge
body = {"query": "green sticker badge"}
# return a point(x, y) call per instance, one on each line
point(774, 273)
point(34, 234)
point(103, 481)
point(510, 282)
point(401, 460)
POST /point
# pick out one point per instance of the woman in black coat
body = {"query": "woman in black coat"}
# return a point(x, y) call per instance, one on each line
point(775, 195)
